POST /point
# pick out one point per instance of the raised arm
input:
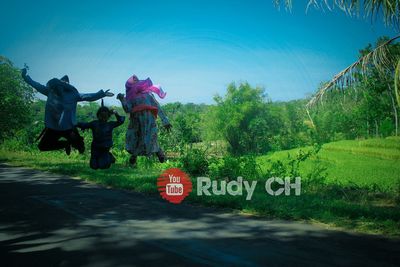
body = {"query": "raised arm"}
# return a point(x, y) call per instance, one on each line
point(95, 96)
point(120, 119)
point(92, 97)
point(124, 104)
point(39, 87)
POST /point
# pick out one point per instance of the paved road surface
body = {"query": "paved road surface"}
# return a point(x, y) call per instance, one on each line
point(53, 220)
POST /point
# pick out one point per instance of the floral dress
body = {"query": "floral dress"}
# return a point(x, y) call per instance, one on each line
point(141, 137)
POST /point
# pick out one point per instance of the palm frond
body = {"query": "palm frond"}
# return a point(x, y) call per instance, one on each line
point(380, 58)
point(390, 9)
point(287, 3)
point(397, 82)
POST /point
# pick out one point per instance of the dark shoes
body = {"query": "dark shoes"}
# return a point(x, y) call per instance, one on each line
point(132, 160)
point(68, 149)
point(77, 141)
point(161, 156)
point(112, 158)
point(81, 147)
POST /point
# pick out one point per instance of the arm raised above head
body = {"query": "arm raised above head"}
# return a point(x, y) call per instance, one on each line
point(120, 120)
point(95, 96)
point(39, 87)
point(92, 96)
point(124, 104)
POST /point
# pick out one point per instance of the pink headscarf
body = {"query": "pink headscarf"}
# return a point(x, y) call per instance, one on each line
point(141, 87)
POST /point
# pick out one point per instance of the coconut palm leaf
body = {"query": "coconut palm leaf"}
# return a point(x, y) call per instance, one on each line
point(380, 58)
point(390, 9)
point(397, 82)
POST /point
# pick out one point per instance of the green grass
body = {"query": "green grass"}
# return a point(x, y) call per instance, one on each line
point(361, 192)
point(118, 176)
point(366, 163)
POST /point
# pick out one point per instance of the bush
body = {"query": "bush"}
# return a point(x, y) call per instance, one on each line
point(23, 140)
point(194, 161)
point(230, 167)
point(312, 180)
point(16, 99)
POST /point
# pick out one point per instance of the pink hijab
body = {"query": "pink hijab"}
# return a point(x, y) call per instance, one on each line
point(141, 87)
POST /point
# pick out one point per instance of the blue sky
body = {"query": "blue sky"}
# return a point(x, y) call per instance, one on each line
point(192, 48)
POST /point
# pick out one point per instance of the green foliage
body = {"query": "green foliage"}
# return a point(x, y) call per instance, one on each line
point(363, 110)
point(243, 118)
point(363, 163)
point(290, 167)
point(194, 161)
point(15, 101)
point(187, 129)
point(229, 168)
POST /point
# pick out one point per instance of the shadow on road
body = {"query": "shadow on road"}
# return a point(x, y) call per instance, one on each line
point(53, 220)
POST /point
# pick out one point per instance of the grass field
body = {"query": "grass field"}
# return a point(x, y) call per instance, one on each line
point(372, 162)
point(361, 191)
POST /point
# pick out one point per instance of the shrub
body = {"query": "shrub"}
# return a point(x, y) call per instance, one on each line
point(194, 161)
point(230, 167)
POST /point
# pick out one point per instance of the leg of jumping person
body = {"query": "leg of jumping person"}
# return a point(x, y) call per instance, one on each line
point(133, 160)
point(105, 158)
point(75, 140)
point(94, 162)
point(94, 158)
point(112, 158)
point(161, 156)
point(50, 141)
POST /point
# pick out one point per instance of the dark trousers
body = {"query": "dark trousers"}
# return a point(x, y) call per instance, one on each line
point(51, 140)
point(101, 158)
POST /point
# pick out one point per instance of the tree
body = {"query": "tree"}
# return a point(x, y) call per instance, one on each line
point(366, 108)
point(244, 120)
point(186, 121)
point(15, 101)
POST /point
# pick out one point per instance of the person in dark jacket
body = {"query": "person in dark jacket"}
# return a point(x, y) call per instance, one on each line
point(60, 113)
point(102, 129)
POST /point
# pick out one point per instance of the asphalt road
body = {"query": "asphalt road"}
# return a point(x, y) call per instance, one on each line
point(53, 220)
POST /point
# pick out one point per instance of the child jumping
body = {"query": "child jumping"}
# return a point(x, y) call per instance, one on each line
point(102, 129)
